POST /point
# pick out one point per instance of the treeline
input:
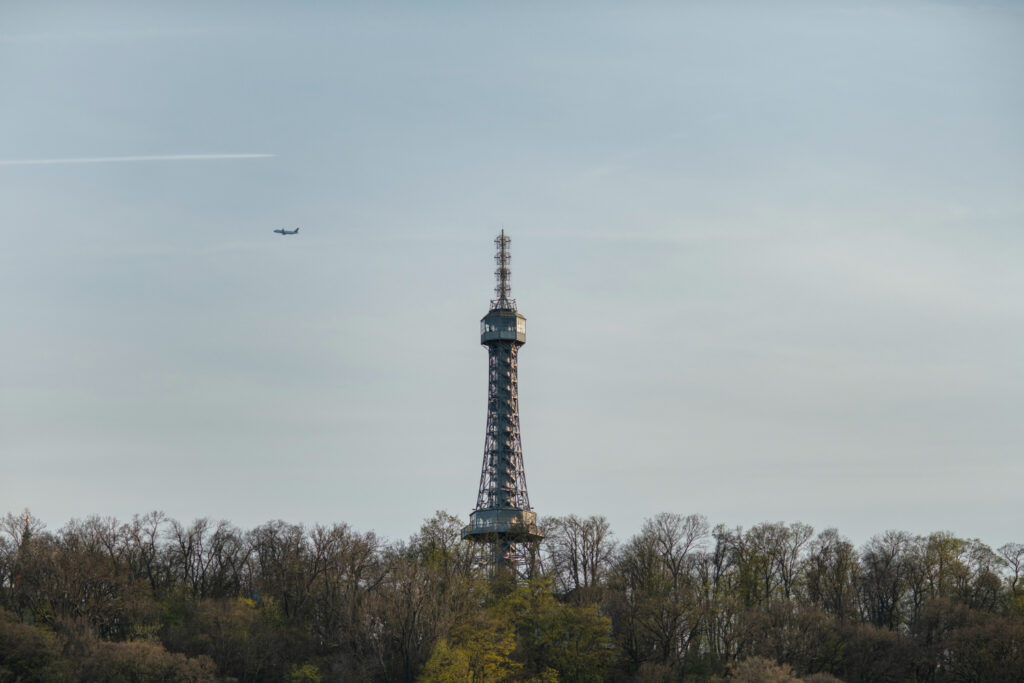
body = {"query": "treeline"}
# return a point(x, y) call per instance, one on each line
point(154, 599)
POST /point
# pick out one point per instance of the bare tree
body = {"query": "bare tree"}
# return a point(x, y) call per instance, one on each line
point(657, 572)
point(143, 550)
point(674, 537)
point(1013, 554)
point(790, 555)
point(278, 562)
point(347, 568)
point(884, 565)
point(832, 575)
point(580, 553)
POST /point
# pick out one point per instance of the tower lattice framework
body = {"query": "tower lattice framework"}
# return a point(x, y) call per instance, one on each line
point(503, 517)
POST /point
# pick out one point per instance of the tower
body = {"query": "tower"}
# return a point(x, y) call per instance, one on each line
point(503, 518)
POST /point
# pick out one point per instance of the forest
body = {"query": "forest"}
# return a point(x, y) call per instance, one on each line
point(152, 599)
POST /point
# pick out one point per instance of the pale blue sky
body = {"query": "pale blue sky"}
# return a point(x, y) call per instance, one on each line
point(769, 254)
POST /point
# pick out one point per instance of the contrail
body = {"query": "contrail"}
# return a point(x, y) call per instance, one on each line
point(113, 160)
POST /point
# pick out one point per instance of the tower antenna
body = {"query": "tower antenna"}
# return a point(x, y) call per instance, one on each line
point(503, 288)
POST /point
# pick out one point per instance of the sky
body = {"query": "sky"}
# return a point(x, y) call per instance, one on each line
point(769, 254)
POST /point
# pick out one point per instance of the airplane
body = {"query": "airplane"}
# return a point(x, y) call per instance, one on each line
point(282, 231)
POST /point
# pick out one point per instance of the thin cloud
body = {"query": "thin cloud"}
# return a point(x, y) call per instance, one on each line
point(114, 160)
point(142, 33)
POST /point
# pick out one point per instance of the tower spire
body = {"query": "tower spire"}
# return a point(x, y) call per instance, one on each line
point(503, 517)
point(503, 288)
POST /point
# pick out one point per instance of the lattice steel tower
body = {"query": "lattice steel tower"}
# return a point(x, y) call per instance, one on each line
point(503, 517)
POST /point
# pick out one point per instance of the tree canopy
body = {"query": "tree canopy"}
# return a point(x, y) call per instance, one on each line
point(156, 599)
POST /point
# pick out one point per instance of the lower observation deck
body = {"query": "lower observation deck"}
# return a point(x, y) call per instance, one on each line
point(509, 523)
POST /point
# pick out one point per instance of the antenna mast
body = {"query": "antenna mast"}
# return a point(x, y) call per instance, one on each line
point(503, 288)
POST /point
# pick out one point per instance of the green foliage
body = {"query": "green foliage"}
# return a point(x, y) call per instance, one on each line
point(307, 673)
point(481, 649)
point(28, 653)
point(1015, 606)
point(157, 600)
point(574, 642)
point(447, 665)
point(487, 642)
point(761, 670)
point(525, 634)
point(142, 661)
point(246, 640)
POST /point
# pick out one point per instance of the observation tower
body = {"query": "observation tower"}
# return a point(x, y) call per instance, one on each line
point(503, 517)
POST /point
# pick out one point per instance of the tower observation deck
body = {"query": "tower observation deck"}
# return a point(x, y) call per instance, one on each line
point(503, 517)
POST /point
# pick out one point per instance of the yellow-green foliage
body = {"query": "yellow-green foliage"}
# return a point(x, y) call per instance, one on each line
point(306, 673)
point(447, 665)
point(481, 650)
point(525, 635)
